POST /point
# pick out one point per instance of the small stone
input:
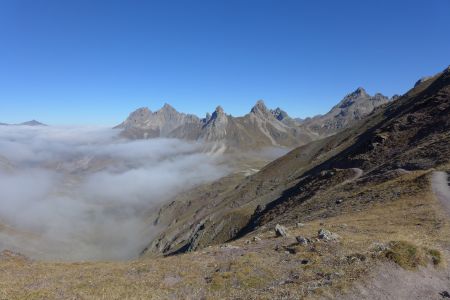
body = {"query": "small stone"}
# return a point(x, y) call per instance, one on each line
point(327, 235)
point(256, 238)
point(302, 240)
point(280, 230)
point(339, 201)
point(299, 225)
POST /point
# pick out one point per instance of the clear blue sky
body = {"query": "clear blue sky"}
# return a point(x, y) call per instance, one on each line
point(93, 62)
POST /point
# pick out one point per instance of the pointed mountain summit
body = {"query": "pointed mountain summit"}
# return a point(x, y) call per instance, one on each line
point(260, 109)
point(217, 117)
point(143, 123)
point(353, 107)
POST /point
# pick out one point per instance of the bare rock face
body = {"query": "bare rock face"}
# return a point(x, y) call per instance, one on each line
point(261, 127)
point(143, 123)
point(355, 106)
point(257, 129)
point(261, 110)
point(280, 230)
point(279, 114)
point(215, 128)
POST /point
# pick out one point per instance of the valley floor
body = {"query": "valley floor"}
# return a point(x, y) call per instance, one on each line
point(371, 248)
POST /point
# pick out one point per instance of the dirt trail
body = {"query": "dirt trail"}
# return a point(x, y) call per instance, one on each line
point(389, 281)
point(441, 188)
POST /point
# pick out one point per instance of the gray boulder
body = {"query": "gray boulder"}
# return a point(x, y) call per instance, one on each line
point(280, 230)
point(302, 240)
point(327, 235)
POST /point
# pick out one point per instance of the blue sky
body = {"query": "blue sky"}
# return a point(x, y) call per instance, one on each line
point(93, 62)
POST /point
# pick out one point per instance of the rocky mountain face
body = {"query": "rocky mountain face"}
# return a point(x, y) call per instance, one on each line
point(143, 123)
point(355, 106)
point(283, 117)
point(349, 171)
point(261, 127)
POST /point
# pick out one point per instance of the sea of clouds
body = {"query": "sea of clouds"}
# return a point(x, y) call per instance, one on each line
point(84, 193)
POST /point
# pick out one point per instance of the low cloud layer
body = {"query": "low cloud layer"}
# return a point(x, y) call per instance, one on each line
point(85, 194)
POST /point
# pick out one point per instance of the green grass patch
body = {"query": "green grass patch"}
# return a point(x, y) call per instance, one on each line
point(406, 255)
point(436, 256)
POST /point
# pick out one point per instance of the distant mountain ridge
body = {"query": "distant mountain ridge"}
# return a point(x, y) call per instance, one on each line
point(27, 123)
point(353, 107)
point(259, 128)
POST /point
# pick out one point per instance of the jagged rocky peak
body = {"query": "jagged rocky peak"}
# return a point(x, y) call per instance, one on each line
point(360, 95)
point(360, 91)
point(260, 106)
point(279, 114)
point(216, 126)
point(168, 112)
point(168, 107)
point(219, 111)
point(260, 109)
point(141, 112)
point(136, 118)
point(217, 116)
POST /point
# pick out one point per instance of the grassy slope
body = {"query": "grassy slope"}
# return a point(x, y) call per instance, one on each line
point(271, 267)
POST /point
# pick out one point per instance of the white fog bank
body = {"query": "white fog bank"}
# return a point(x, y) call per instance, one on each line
point(84, 193)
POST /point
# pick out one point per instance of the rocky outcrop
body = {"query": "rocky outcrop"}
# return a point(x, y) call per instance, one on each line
point(280, 230)
point(354, 107)
point(215, 127)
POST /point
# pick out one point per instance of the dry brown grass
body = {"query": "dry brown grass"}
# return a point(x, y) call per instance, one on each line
point(266, 269)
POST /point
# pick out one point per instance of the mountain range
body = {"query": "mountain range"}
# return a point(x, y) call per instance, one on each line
point(259, 128)
point(405, 135)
